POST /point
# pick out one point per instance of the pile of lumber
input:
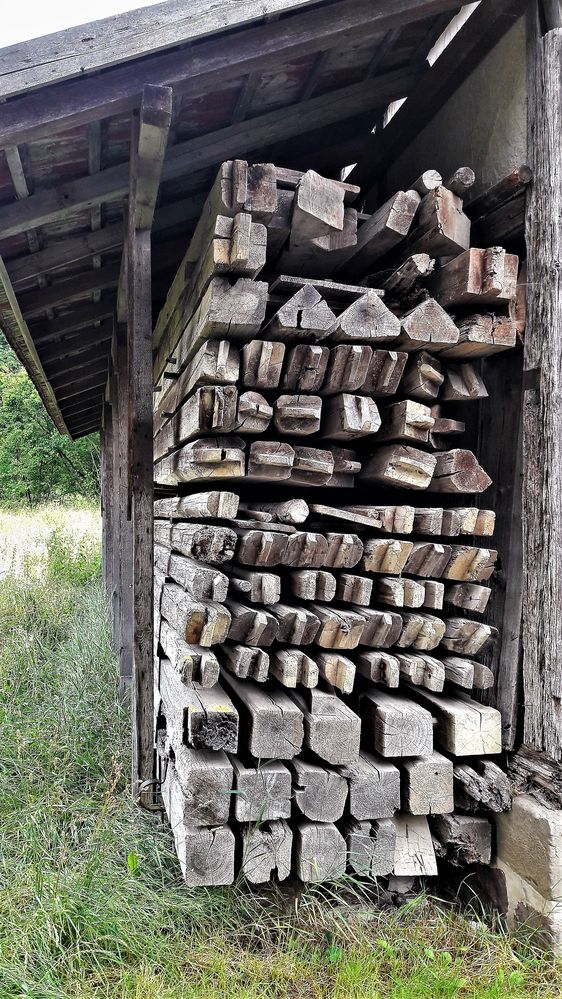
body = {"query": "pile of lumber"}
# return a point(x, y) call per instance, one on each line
point(319, 623)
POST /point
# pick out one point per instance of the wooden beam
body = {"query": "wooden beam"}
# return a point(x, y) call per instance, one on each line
point(85, 432)
point(34, 302)
point(542, 407)
point(482, 30)
point(92, 412)
point(89, 244)
point(82, 317)
point(72, 406)
point(208, 150)
point(81, 387)
point(500, 455)
point(155, 121)
point(79, 344)
point(88, 424)
point(71, 378)
point(77, 50)
point(148, 144)
point(203, 68)
point(18, 336)
point(100, 351)
point(67, 251)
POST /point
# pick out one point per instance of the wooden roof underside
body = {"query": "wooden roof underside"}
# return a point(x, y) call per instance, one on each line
point(298, 83)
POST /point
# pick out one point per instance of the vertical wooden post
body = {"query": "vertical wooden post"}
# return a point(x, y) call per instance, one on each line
point(142, 494)
point(500, 454)
point(148, 144)
point(107, 512)
point(124, 569)
point(542, 412)
point(103, 497)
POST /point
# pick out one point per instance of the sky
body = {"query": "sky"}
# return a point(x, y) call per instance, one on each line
point(20, 21)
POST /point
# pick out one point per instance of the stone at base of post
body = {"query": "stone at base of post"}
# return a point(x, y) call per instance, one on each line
point(529, 862)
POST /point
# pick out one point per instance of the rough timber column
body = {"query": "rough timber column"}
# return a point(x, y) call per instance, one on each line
point(148, 145)
point(542, 413)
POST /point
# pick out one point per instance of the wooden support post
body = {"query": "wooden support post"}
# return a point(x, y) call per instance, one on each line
point(542, 408)
point(106, 446)
point(114, 501)
point(148, 144)
point(124, 633)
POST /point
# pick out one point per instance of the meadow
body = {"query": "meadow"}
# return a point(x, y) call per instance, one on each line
point(91, 899)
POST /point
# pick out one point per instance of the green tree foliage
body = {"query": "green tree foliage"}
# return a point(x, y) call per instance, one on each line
point(37, 463)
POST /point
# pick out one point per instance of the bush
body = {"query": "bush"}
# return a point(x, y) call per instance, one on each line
point(72, 560)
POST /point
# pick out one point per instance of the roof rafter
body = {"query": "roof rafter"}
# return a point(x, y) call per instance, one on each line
point(197, 70)
point(490, 20)
point(210, 149)
point(35, 302)
point(83, 341)
point(64, 54)
point(79, 319)
point(17, 333)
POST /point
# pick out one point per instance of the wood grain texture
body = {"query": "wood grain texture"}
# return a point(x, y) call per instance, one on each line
point(542, 409)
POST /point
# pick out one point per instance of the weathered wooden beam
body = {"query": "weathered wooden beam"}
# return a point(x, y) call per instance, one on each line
point(83, 386)
point(19, 337)
point(64, 377)
point(198, 70)
point(73, 406)
point(82, 317)
point(64, 252)
point(69, 347)
point(207, 150)
point(77, 361)
point(148, 141)
point(542, 443)
point(463, 53)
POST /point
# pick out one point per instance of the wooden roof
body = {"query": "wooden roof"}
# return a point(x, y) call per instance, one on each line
point(298, 83)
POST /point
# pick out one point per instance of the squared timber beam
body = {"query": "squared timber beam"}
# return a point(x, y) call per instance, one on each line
point(542, 381)
point(148, 145)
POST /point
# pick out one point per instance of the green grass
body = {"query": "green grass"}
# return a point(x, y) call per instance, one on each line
point(91, 902)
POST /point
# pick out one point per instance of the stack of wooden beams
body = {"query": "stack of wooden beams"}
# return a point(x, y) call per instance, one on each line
point(317, 630)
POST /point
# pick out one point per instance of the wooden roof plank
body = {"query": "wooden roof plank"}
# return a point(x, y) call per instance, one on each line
point(86, 433)
point(72, 407)
point(88, 244)
point(66, 377)
point(70, 362)
point(205, 67)
point(18, 336)
point(83, 386)
point(208, 150)
point(99, 44)
point(486, 25)
point(65, 252)
point(34, 302)
point(79, 344)
point(79, 319)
